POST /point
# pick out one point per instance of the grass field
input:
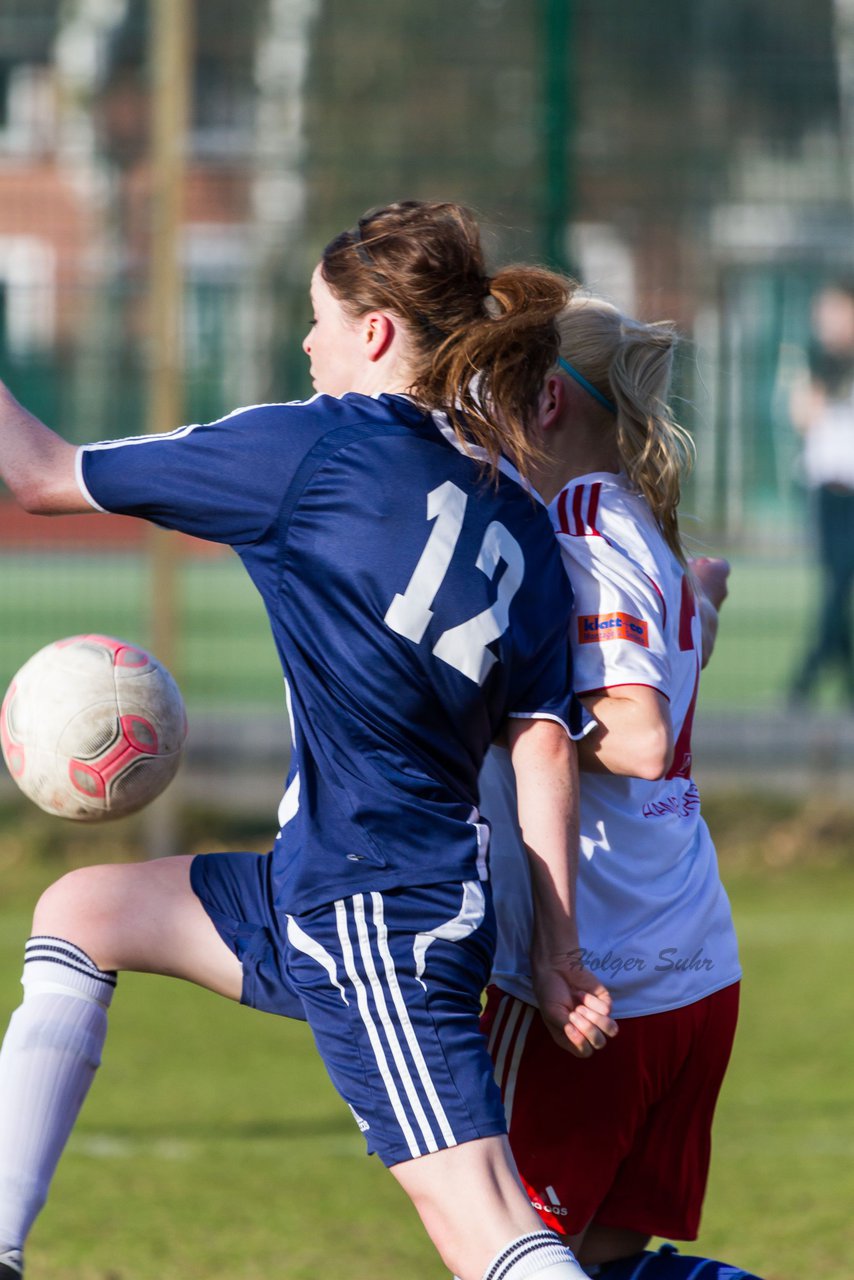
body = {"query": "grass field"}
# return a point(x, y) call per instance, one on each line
point(225, 655)
point(213, 1145)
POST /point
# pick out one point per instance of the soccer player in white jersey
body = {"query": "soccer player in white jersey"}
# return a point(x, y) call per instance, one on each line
point(615, 1150)
point(402, 565)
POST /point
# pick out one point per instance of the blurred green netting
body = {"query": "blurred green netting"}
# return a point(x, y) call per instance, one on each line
point(690, 160)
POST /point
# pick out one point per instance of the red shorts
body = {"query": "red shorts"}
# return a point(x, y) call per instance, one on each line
point(622, 1138)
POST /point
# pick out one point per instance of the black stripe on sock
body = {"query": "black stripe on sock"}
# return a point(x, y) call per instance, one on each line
point(69, 960)
point(519, 1249)
point(47, 942)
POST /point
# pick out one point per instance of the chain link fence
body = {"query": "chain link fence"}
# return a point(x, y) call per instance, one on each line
point(690, 161)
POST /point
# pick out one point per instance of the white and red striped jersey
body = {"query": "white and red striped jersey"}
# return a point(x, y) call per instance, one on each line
point(653, 916)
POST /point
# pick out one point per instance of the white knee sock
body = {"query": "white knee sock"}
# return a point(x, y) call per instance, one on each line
point(48, 1060)
point(540, 1254)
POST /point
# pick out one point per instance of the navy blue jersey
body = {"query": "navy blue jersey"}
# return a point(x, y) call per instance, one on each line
point(414, 605)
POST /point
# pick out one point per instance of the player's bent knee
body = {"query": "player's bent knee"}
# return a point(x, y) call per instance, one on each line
point(61, 900)
point(74, 908)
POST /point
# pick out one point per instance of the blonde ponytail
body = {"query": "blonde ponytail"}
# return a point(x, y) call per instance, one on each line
point(631, 363)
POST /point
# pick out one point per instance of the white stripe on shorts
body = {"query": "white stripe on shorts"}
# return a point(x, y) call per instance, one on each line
point(386, 1019)
point(406, 1023)
point(403, 1068)
point(509, 1034)
point(301, 941)
point(370, 1026)
point(468, 921)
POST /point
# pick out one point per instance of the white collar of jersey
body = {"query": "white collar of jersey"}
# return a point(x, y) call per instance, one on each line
point(506, 468)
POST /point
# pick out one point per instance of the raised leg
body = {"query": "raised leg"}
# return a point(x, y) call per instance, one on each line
point(87, 926)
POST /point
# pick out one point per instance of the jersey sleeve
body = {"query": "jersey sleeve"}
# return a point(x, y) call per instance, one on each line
point(223, 481)
point(550, 695)
point(545, 689)
point(617, 629)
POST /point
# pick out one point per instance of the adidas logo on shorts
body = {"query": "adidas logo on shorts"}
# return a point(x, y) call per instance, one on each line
point(554, 1206)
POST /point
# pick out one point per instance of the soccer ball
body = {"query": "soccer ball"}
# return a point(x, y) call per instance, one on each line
point(92, 728)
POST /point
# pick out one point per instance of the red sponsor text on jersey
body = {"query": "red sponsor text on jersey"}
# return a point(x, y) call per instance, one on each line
point(594, 628)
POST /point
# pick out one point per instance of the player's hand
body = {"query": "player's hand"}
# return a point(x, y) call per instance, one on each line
point(712, 574)
point(574, 1003)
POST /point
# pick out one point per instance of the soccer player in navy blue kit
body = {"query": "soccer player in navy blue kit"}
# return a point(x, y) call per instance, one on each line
point(418, 606)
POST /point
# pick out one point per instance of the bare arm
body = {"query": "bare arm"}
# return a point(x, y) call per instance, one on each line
point(806, 404)
point(633, 736)
point(36, 464)
point(710, 577)
point(574, 1004)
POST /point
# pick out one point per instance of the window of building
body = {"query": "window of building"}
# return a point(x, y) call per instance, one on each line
point(27, 108)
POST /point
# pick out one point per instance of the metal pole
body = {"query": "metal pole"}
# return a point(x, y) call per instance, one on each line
point(170, 69)
point(558, 126)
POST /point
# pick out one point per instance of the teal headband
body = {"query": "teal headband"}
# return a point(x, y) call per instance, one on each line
point(588, 386)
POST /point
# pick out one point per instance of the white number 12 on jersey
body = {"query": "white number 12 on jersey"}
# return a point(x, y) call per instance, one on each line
point(409, 614)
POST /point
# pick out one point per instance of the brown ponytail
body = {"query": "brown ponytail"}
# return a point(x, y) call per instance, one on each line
point(481, 348)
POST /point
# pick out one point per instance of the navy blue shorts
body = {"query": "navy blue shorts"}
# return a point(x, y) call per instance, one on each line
point(390, 984)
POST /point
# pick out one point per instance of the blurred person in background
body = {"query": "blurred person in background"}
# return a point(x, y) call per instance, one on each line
point(822, 409)
point(418, 604)
point(615, 1150)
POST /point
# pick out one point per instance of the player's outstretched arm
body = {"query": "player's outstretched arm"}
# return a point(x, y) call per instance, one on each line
point(573, 1002)
point(36, 464)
